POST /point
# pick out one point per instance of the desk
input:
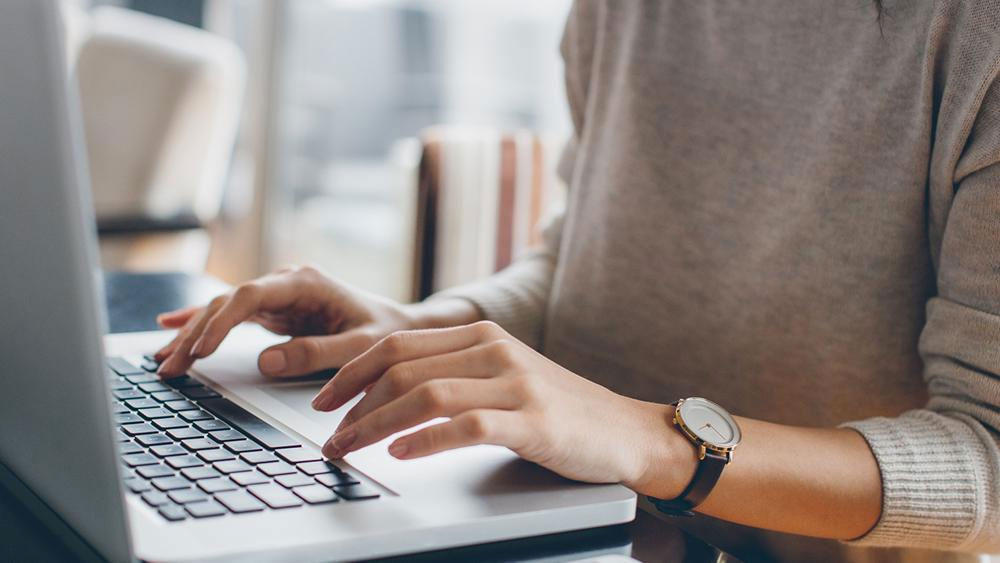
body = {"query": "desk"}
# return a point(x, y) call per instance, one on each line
point(133, 301)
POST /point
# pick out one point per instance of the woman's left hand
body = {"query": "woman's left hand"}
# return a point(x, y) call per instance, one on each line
point(499, 391)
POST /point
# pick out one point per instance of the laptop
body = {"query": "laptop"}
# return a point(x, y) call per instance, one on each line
point(222, 464)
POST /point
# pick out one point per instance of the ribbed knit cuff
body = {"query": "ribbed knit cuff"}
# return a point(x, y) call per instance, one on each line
point(935, 480)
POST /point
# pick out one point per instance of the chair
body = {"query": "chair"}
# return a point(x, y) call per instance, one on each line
point(161, 106)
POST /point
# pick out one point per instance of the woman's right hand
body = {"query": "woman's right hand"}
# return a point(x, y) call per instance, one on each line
point(330, 322)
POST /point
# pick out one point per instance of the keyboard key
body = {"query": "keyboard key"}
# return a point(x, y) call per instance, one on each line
point(171, 483)
point(180, 405)
point(355, 492)
point(168, 450)
point(182, 382)
point(155, 498)
point(154, 387)
point(205, 509)
point(150, 365)
point(217, 485)
point(135, 460)
point(169, 423)
point(294, 480)
point(168, 395)
point(184, 496)
point(172, 512)
point(218, 454)
point(129, 448)
point(260, 431)
point(158, 412)
point(136, 485)
point(192, 416)
point(119, 408)
point(239, 501)
point(184, 433)
point(227, 435)
point(249, 478)
point(137, 404)
point(334, 479)
point(144, 378)
point(198, 393)
point(153, 440)
point(234, 466)
point(299, 455)
point(123, 367)
point(121, 436)
point(275, 496)
point(316, 467)
point(184, 461)
point(211, 425)
point(258, 457)
point(198, 473)
point(138, 429)
point(243, 446)
point(128, 393)
point(118, 383)
point(196, 444)
point(127, 418)
point(315, 494)
point(154, 471)
point(276, 468)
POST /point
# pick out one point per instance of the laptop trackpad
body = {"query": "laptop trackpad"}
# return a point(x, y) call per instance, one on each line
point(480, 470)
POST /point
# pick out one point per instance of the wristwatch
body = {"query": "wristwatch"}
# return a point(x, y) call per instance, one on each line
point(714, 432)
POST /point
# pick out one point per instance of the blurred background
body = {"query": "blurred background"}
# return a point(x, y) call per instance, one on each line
point(400, 145)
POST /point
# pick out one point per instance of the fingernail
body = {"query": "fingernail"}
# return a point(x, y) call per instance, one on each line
point(196, 350)
point(272, 361)
point(398, 450)
point(337, 445)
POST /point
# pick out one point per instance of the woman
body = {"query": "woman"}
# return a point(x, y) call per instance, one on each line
point(789, 208)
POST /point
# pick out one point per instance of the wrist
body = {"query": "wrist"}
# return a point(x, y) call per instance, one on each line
point(669, 459)
point(440, 313)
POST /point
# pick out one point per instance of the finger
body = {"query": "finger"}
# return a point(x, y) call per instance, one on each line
point(308, 354)
point(163, 353)
point(188, 314)
point(441, 397)
point(177, 319)
point(401, 378)
point(241, 305)
point(396, 348)
point(474, 427)
point(180, 358)
point(270, 293)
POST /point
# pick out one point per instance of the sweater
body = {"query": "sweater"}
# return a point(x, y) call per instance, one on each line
point(793, 209)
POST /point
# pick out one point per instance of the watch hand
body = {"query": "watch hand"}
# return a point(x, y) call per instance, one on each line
point(709, 425)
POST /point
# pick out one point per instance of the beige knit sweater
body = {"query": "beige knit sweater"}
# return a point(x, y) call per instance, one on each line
point(775, 205)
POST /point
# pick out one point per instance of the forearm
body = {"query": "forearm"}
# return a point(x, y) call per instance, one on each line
point(810, 481)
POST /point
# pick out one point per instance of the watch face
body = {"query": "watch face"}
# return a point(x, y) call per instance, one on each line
point(709, 422)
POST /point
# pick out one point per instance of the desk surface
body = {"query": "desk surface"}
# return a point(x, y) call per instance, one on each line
point(133, 301)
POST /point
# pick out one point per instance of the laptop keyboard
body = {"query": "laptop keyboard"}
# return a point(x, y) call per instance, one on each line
point(190, 453)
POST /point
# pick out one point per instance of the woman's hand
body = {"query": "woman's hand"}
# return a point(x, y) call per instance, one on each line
point(497, 390)
point(331, 323)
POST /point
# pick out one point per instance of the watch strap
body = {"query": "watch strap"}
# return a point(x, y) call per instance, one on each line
point(704, 480)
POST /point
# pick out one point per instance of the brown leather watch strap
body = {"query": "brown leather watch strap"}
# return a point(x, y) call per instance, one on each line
point(705, 477)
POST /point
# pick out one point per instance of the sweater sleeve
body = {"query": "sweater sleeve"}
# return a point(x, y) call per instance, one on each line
point(941, 464)
point(516, 297)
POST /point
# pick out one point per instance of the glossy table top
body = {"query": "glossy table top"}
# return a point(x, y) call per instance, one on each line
point(133, 301)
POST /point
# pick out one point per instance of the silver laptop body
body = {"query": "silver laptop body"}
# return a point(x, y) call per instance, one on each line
point(57, 437)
